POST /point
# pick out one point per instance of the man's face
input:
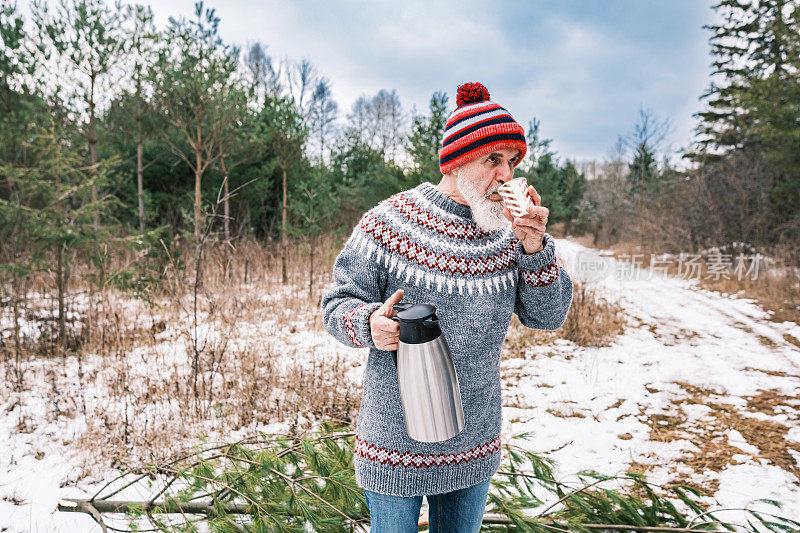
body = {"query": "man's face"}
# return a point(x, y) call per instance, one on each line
point(478, 180)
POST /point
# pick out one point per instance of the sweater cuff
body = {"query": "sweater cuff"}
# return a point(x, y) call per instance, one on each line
point(357, 324)
point(539, 259)
point(540, 268)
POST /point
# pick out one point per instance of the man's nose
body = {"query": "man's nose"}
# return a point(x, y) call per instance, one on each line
point(505, 175)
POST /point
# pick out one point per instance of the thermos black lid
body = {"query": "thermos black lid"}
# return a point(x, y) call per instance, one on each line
point(418, 322)
point(415, 313)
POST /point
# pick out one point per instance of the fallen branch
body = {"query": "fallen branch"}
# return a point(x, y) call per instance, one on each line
point(70, 505)
point(302, 482)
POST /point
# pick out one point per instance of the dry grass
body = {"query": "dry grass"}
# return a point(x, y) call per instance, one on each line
point(520, 338)
point(566, 411)
point(776, 288)
point(127, 389)
point(635, 467)
point(771, 372)
point(714, 450)
point(593, 320)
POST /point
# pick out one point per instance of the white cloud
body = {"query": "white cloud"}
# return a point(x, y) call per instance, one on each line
point(582, 74)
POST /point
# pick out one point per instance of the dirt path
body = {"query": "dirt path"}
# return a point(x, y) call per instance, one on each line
point(701, 388)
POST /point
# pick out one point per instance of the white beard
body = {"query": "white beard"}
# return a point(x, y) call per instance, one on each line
point(488, 214)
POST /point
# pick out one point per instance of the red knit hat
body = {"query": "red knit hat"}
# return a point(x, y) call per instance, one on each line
point(476, 127)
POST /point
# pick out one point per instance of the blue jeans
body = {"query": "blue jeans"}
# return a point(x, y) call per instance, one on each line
point(460, 511)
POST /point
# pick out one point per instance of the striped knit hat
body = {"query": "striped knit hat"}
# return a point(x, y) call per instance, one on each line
point(476, 127)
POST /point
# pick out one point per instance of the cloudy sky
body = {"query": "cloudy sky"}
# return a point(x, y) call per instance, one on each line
point(582, 67)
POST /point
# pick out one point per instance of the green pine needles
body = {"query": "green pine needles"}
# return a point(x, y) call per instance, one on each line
point(280, 483)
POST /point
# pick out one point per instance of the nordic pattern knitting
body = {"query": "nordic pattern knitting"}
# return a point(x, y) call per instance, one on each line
point(424, 242)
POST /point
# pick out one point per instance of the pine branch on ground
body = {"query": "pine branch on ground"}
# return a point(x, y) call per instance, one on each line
point(276, 482)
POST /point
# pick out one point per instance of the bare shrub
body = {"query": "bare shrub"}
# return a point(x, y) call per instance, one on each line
point(261, 359)
point(593, 319)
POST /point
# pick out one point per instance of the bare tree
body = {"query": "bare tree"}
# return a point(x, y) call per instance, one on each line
point(379, 121)
point(324, 111)
point(610, 198)
point(729, 200)
point(360, 118)
point(388, 121)
point(648, 131)
point(301, 81)
point(264, 76)
point(645, 143)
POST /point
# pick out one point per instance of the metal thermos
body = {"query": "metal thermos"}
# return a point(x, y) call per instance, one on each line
point(427, 377)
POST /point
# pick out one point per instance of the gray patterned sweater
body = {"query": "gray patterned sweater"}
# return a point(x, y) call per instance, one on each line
point(426, 243)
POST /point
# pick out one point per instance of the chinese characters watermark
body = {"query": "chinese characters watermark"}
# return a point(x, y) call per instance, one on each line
point(592, 266)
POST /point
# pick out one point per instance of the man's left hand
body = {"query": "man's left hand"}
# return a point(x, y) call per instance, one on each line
point(530, 228)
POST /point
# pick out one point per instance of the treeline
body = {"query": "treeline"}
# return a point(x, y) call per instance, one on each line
point(748, 147)
point(741, 191)
point(116, 132)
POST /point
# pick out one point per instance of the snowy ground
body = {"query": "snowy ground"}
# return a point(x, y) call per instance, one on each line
point(692, 367)
point(681, 339)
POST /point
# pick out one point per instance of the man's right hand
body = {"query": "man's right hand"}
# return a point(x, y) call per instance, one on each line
point(385, 331)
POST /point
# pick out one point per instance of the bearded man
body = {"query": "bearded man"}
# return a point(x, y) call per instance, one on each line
point(456, 246)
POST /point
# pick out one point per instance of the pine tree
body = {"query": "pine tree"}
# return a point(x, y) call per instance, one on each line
point(300, 483)
point(143, 37)
point(643, 170)
point(573, 185)
point(21, 109)
point(425, 140)
point(774, 101)
point(286, 134)
point(362, 176)
point(543, 172)
point(537, 147)
point(644, 142)
point(85, 40)
point(54, 210)
point(721, 124)
point(756, 40)
point(17, 67)
point(752, 106)
point(192, 80)
point(312, 212)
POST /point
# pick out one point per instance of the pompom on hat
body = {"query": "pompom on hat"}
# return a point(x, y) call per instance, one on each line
point(476, 127)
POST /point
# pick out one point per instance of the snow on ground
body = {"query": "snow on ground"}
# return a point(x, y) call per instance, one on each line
point(685, 353)
point(678, 333)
